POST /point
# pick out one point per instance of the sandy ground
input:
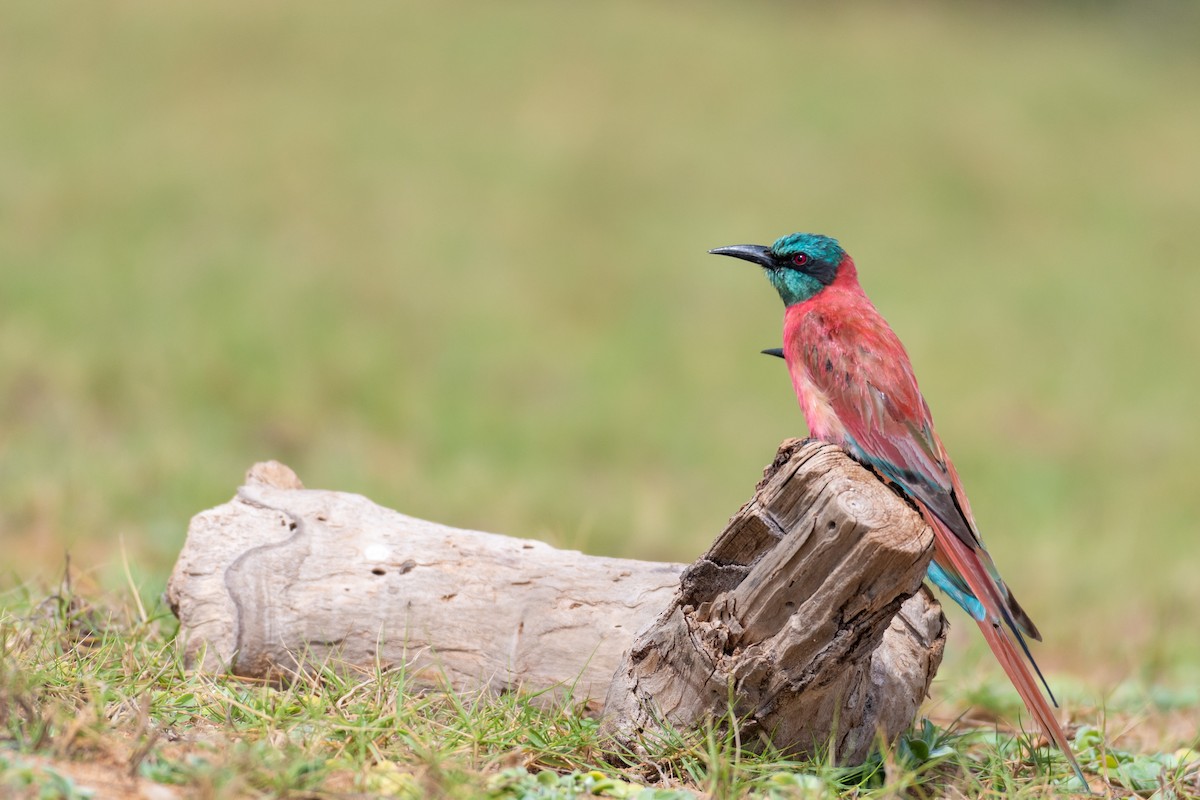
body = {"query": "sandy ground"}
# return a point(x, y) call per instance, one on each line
point(102, 779)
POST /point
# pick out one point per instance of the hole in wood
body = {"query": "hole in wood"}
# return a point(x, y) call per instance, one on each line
point(379, 571)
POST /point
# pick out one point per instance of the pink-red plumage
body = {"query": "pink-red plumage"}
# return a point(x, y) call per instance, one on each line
point(857, 389)
point(854, 379)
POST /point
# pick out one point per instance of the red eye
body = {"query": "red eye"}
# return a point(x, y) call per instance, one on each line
point(800, 259)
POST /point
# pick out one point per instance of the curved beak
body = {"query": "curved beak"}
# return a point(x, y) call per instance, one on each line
point(755, 253)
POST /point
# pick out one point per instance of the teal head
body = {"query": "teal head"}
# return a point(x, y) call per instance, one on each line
point(798, 266)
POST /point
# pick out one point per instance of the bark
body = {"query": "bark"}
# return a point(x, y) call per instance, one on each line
point(802, 611)
point(803, 620)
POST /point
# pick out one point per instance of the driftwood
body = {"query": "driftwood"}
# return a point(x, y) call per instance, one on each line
point(803, 612)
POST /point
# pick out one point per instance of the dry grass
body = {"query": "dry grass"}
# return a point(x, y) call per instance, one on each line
point(93, 699)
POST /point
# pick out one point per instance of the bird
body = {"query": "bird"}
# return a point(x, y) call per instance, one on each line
point(857, 390)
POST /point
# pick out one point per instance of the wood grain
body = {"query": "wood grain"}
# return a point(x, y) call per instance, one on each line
point(805, 610)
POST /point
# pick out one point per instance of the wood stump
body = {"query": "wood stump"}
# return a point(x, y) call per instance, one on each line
point(805, 611)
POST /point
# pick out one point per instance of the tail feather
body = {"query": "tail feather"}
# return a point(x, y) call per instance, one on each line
point(1024, 623)
point(1027, 688)
point(947, 578)
point(967, 564)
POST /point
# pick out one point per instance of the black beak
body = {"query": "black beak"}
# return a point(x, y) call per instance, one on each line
point(755, 253)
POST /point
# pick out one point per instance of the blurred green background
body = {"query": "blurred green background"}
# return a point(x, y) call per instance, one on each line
point(453, 258)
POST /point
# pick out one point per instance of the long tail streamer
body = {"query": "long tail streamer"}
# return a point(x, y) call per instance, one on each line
point(999, 639)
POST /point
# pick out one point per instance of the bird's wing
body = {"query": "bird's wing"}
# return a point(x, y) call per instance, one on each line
point(868, 382)
point(865, 375)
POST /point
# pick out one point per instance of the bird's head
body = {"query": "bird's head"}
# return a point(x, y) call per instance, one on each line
point(798, 266)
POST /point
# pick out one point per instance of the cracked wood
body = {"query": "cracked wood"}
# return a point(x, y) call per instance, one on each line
point(805, 613)
point(802, 610)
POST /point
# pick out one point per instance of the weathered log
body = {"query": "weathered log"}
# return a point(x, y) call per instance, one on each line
point(282, 578)
point(794, 607)
point(803, 620)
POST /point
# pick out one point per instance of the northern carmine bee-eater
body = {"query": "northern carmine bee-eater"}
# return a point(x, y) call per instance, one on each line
point(857, 390)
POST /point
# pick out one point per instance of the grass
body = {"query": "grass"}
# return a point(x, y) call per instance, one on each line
point(454, 260)
point(94, 701)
